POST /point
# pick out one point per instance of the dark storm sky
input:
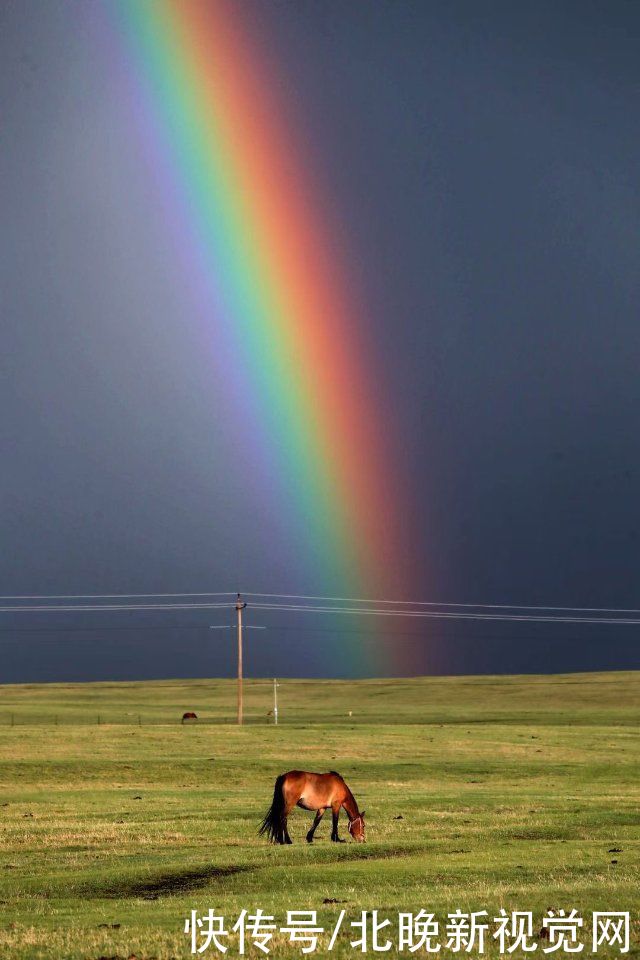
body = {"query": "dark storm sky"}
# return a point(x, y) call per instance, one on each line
point(484, 158)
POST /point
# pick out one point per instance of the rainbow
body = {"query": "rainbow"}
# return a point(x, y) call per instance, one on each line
point(264, 236)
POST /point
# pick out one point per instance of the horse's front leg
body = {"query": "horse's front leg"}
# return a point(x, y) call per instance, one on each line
point(319, 815)
point(334, 833)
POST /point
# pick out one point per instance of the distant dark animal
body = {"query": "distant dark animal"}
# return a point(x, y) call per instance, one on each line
point(189, 716)
point(311, 791)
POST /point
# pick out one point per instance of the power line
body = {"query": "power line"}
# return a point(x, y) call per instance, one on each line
point(359, 611)
point(109, 596)
point(72, 608)
point(442, 615)
point(293, 596)
point(437, 603)
point(125, 629)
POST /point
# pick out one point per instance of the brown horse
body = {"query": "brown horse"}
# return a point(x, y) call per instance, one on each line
point(311, 791)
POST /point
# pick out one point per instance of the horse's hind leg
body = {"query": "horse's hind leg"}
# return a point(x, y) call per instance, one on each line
point(334, 833)
point(319, 815)
point(285, 838)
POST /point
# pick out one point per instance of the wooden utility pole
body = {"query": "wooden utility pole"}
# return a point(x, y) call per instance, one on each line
point(240, 605)
point(240, 627)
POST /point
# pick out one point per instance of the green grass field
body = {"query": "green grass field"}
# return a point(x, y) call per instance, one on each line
point(480, 793)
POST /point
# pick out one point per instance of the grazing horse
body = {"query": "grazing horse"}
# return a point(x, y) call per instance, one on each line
point(311, 791)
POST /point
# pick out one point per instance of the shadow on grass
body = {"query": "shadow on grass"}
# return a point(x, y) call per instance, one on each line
point(357, 851)
point(152, 887)
point(167, 884)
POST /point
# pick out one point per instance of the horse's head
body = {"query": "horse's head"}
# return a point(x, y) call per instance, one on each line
point(356, 827)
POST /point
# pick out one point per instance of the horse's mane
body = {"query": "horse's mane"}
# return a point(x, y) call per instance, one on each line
point(336, 774)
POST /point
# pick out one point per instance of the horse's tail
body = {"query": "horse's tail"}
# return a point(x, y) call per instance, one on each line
point(273, 823)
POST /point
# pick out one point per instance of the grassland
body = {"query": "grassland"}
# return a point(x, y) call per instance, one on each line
point(480, 793)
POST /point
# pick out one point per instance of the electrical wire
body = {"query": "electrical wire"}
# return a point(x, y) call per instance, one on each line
point(293, 596)
point(442, 615)
point(436, 603)
point(110, 596)
point(72, 608)
point(546, 614)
